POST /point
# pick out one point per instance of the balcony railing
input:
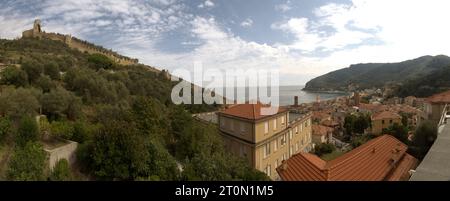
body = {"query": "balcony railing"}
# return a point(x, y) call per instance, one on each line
point(444, 118)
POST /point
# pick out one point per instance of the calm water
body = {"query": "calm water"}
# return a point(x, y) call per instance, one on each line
point(287, 94)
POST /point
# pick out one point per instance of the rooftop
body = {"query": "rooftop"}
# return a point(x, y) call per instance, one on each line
point(443, 97)
point(381, 159)
point(386, 115)
point(320, 130)
point(251, 111)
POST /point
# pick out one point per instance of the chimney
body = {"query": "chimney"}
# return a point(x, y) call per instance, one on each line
point(284, 165)
point(295, 101)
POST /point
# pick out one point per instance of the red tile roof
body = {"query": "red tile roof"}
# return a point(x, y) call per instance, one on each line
point(439, 98)
point(250, 111)
point(383, 158)
point(386, 115)
point(321, 130)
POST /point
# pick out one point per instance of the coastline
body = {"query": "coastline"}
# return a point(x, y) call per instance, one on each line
point(325, 91)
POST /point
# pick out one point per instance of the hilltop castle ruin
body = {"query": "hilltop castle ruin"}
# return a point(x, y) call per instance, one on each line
point(76, 43)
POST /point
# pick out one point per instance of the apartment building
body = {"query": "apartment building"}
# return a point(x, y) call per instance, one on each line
point(265, 140)
point(384, 120)
point(434, 105)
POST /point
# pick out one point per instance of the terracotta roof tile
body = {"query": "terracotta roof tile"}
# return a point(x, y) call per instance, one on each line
point(250, 111)
point(386, 115)
point(383, 158)
point(443, 97)
point(321, 130)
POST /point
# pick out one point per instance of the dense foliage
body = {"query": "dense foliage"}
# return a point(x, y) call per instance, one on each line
point(324, 148)
point(423, 139)
point(121, 116)
point(28, 163)
point(357, 124)
point(417, 71)
point(61, 171)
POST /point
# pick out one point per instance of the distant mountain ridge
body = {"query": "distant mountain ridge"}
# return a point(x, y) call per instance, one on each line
point(378, 74)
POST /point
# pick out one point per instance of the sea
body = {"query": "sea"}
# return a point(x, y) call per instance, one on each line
point(287, 94)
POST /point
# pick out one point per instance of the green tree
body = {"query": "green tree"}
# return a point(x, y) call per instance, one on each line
point(16, 103)
point(60, 103)
point(423, 139)
point(45, 83)
point(61, 171)
point(83, 131)
point(99, 61)
point(62, 129)
point(27, 131)
point(14, 76)
point(28, 164)
point(5, 128)
point(324, 148)
point(349, 123)
point(147, 115)
point(33, 70)
point(52, 70)
point(399, 131)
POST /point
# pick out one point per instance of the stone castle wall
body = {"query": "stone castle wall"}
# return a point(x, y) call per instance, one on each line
point(78, 44)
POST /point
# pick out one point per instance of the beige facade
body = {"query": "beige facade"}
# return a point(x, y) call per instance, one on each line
point(379, 124)
point(433, 111)
point(266, 142)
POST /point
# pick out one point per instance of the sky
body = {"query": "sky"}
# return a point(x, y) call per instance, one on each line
point(300, 38)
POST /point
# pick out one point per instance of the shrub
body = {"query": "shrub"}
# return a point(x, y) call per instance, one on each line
point(61, 171)
point(28, 163)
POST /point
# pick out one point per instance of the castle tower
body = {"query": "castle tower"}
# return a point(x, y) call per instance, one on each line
point(357, 98)
point(37, 28)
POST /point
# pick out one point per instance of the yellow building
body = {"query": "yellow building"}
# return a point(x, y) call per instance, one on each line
point(383, 120)
point(265, 141)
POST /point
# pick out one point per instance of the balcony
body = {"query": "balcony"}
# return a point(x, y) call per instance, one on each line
point(436, 164)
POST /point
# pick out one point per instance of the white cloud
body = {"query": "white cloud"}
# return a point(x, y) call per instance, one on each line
point(284, 7)
point(247, 23)
point(402, 32)
point(207, 4)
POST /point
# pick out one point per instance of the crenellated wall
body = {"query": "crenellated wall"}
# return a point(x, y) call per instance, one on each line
point(78, 44)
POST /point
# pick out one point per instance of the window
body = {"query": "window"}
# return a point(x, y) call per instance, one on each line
point(242, 127)
point(285, 156)
point(276, 163)
point(290, 135)
point(296, 130)
point(291, 150)
point(266, 127)
point(266, 150)
point(283, 140)
point(296, 147)
point(275, 145)
point(390, 121)
point(268, 168)
point(275, 124)
point(382, 121)
point(282, 120)
point(301, 127)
